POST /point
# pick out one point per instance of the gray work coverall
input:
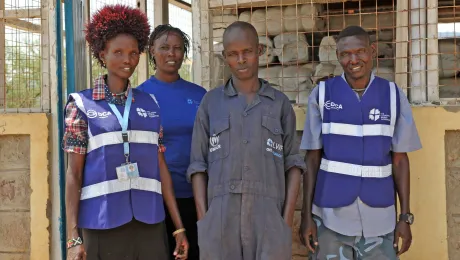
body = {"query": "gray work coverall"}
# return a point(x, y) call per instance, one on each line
point(246, 151)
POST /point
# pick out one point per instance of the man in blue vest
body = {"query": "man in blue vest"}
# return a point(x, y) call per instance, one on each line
point(358, 131)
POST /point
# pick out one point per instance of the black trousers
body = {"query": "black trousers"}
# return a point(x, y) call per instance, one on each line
point(187, 212)
point(132, 241)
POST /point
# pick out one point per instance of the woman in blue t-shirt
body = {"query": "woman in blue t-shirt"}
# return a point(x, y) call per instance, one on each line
point(179, 101)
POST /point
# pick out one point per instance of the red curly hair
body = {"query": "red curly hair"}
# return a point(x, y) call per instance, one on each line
point(113, 20)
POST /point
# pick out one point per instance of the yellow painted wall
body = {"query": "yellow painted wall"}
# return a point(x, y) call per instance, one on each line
point(36, 126)
point(428, 175)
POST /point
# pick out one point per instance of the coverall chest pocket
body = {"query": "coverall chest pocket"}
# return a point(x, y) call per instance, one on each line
point(219, 139)
point(272, 135)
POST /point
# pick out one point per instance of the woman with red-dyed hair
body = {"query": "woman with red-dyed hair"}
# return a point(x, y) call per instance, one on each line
point(117, 177)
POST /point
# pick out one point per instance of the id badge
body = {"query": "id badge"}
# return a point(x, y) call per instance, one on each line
point(132, 170)
point(127, 171)
point(122, 174)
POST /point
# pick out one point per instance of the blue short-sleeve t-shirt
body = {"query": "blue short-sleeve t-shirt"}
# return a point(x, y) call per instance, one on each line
point(179, 103)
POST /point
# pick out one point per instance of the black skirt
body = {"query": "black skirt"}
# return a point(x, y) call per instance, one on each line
point(132, 241)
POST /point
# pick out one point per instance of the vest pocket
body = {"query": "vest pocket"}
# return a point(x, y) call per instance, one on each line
point(272, 135)
point(219, 139)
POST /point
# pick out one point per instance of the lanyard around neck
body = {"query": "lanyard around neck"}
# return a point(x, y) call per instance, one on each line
point(123, 120)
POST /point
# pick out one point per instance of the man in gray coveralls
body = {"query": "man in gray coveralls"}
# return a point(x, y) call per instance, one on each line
point(245, 163)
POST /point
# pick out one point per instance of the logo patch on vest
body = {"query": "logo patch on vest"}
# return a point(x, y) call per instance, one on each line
point(93, 114)
point(275, 148)
point(331, 105)
point(143, 113)
point(375, 115)
point(214, 143)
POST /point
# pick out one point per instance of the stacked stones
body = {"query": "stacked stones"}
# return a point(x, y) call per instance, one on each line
point(286, 64)
point(300, 44)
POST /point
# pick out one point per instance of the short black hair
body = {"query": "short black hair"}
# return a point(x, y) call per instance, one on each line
point(245, 26)
point(160, 30)
point(353, 30)
point(112, 20)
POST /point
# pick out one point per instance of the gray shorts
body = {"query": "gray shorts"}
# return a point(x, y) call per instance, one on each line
point(334, 246)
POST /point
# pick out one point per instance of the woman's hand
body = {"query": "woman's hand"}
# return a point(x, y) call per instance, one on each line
point(181, 251)
point(76, 253)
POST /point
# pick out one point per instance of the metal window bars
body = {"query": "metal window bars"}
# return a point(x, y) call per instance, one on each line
point(299, 36)
point(24, 56)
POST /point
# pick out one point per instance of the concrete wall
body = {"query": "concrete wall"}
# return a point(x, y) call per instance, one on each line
point(15, 196)
point(24, 189)
point(436, 230)
point(452, 140)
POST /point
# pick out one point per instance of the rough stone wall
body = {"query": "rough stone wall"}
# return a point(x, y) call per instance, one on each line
point(452, 143)
point(14, 197)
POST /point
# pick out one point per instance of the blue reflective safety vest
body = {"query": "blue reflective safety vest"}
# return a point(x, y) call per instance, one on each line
point(357, 136)
point(107, 202)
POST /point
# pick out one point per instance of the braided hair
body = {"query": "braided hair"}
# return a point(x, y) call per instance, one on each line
point(160, 30)
point(112, 20)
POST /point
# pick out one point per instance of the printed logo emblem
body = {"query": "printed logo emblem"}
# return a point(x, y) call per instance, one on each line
point(193, 102)
point(331, 105)
point(275, 148)
point(375, 115)
point(214, 142)
point(93, 114)
point(143, 113)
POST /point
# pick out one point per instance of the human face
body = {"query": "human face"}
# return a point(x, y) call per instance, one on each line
point(168, 51)
point(355, 55)
point(121, 56)
point(241, 52)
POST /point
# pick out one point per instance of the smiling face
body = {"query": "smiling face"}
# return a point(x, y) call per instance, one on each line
point(355, 54)
point(121, 56)
point(168, 51)
point(241, 52)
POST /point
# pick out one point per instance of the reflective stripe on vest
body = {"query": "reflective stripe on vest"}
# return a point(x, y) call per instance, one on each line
point(113, 186)
point(355, 169)
point(357, 131)
point(110, 138)
point(79, 103)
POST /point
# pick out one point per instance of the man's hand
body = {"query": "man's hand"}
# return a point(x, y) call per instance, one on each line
point(403, 231)
point(76, 253)
point(401, 174)
point(307, 233)
point(288, 221)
